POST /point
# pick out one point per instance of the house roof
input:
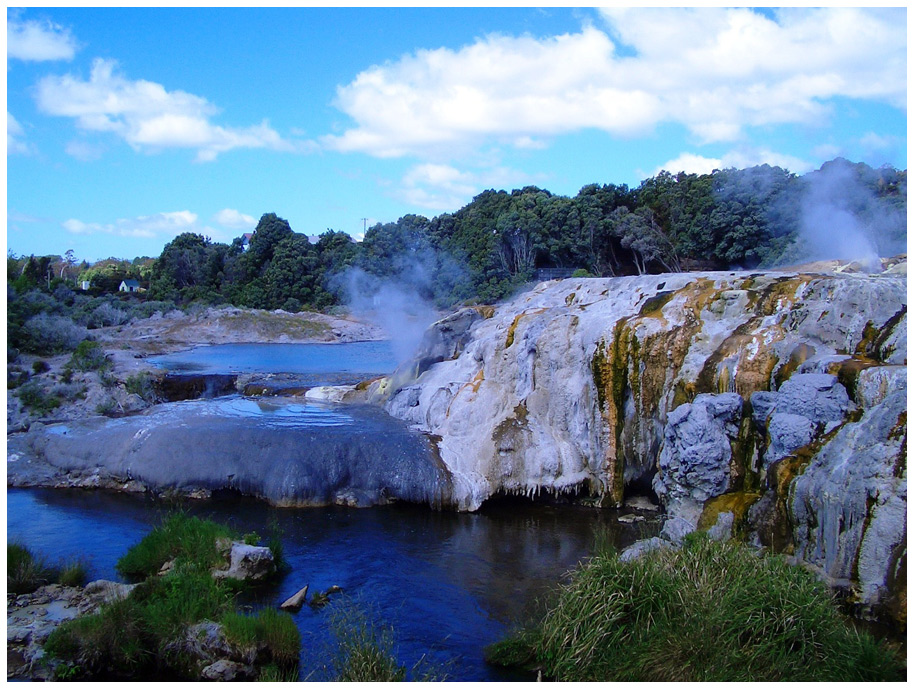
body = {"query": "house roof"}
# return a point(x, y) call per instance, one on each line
point(131, 282)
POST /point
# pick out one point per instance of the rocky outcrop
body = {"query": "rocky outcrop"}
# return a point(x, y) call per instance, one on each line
point(289, 455)
point(720, 390)
point(31, 617)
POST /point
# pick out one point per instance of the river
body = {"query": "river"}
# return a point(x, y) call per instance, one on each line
point(447, 584)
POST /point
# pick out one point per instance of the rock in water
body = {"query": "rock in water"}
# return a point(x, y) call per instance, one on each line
point(248, 563)
point(296, 600)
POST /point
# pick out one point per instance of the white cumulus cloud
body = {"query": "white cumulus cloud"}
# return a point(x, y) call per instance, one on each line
point(14, 136)
point(692, 163)
point(38, 41)
point(236, 220)
point(715, 71)
point(159, 225)
point(442, 187)
point(149, 117)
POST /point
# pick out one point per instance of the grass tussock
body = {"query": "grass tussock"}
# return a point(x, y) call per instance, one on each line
point(708, 612)
point(186, 540)
point(269, 631)
point(364, 649)
point(26, 571)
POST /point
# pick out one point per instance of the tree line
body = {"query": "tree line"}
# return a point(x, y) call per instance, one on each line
point(749, 218)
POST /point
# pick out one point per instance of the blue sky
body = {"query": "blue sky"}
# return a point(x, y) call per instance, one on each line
point(126, 127)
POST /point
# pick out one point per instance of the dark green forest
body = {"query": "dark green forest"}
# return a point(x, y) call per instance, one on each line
point(752, 218)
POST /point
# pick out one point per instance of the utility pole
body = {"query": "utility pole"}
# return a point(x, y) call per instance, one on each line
point(364, 226)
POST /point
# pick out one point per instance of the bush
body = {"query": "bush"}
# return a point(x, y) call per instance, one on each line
point(40, 366)
point(140, 384)
point(36, 398)
point(89, 356)
point(107, 314)
point(73, 574)
point(47, 334)
point(708, 612)
point(113, 639)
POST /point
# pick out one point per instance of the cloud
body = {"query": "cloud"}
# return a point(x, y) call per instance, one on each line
point(147, 116)
point(444, 188)
point(692, 163)
point(236, 220)
point(83, 150)
point(14, 136)
point(715, 71)
point(167, 225)
point(38, 41)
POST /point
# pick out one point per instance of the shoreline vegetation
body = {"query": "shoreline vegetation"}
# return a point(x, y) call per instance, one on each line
point(180, 621)
point(709, 611)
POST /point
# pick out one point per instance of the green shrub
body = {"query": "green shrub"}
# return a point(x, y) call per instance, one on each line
point(140, 384)
point(35, 397)
point(183, 597)
point(40, 366)
point(49, 334)
point(275, 673)
point(707, 612)
point(135, 637)
point(189, 540)
point(89, 356)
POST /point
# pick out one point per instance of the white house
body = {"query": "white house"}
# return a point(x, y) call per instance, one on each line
point(129, 286)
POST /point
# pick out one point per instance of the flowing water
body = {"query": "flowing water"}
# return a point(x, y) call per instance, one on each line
point(448, 584)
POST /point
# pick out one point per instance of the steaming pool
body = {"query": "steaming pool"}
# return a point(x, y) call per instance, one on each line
point(362, 359)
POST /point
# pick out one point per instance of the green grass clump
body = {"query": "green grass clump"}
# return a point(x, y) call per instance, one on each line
point(269, 631)
point(707, 612)
point(140, 384)
point(185, 539)
point(73, 573)
point(114, 640)
point(364, 651)
point(26, 572)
